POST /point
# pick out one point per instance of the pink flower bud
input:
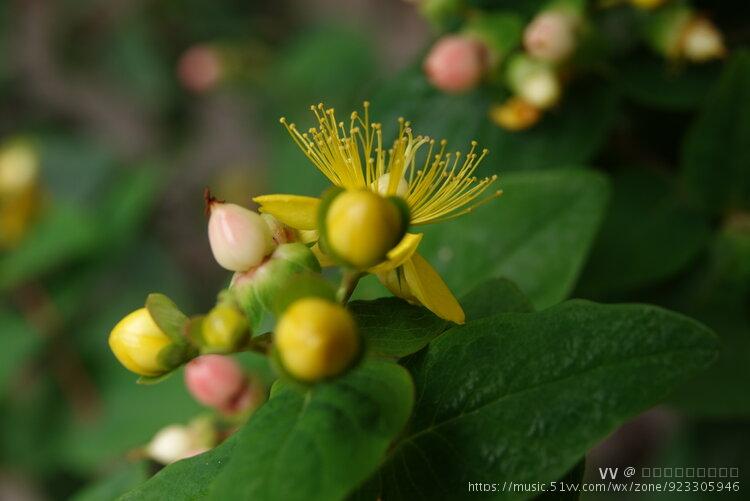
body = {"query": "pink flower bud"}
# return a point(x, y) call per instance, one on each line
point(239, 238)
point(199, 68)
point(216, 381)
point(550, 36)
point(456, 63)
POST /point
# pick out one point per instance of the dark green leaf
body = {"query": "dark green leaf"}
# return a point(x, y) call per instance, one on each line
point(495, 296)
point(654, 82)
point(716, 159)
point(523, 396)
point(537, 234)
point(392, 327)
point(648, 235)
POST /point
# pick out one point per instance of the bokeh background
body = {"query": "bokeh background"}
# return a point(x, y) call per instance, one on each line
point(131, 107)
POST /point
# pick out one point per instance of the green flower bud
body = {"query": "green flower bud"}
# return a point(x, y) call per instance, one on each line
point(224, 329)
point(256, 290)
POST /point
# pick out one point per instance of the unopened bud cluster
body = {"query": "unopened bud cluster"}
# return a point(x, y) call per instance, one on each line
point(531, 59)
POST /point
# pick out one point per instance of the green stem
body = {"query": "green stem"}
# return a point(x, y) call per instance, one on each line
point(348, 283)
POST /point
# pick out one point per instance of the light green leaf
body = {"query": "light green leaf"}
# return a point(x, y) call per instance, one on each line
point(537, 234)
point(716, 159)
point(523, 396)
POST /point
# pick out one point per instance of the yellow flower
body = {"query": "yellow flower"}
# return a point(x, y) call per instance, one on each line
point(138, 342)
point(440, 187)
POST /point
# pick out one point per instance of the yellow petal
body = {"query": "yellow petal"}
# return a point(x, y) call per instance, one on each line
point(324, 259)
point(399, 254)
point(293, 210)
point(428, 288)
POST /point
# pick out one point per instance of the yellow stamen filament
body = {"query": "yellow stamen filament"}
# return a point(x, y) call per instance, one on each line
point(444, 187)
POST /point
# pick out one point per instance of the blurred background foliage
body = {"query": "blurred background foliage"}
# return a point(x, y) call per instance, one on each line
point(635, 188)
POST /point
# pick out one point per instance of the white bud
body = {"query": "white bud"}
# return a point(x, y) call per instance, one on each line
point(239, 237)
point(540, 89)
point(702, 41)
point(551, 36)
point(383, 183)
point(171, 444)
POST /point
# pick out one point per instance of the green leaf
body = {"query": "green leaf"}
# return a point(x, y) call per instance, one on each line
point(537, 234)
point(718, 293)
point(653, 82)
point(319, 445)
point(315, 445)
point(18, 342)
point(495, 296)
point(187, 479)
point(115, 484)
point(167, 316)
point(523, 396)
point(62, 235)
point(716, 159)
point(648, 235)
point(392, 327)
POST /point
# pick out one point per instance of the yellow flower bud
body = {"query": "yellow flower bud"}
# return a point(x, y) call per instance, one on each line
point(361, 227)
point(223, 328)
point(137, 342)
point(514, 114)
point(316, 339)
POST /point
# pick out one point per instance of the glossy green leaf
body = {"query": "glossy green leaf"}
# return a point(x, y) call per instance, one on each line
point(392, 327)
point(537, 234)
point(523, 396)
point(649, 234)
point(319, 445)
point(716, 159)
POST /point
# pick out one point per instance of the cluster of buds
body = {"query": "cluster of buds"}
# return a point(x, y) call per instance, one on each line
point(19, 190)
point(528, 59)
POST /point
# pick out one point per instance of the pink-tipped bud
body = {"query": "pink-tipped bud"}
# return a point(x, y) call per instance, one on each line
point(456, 63)
point(217, 381)
point(551, 36)
point(240, 239)
point(199, 68)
